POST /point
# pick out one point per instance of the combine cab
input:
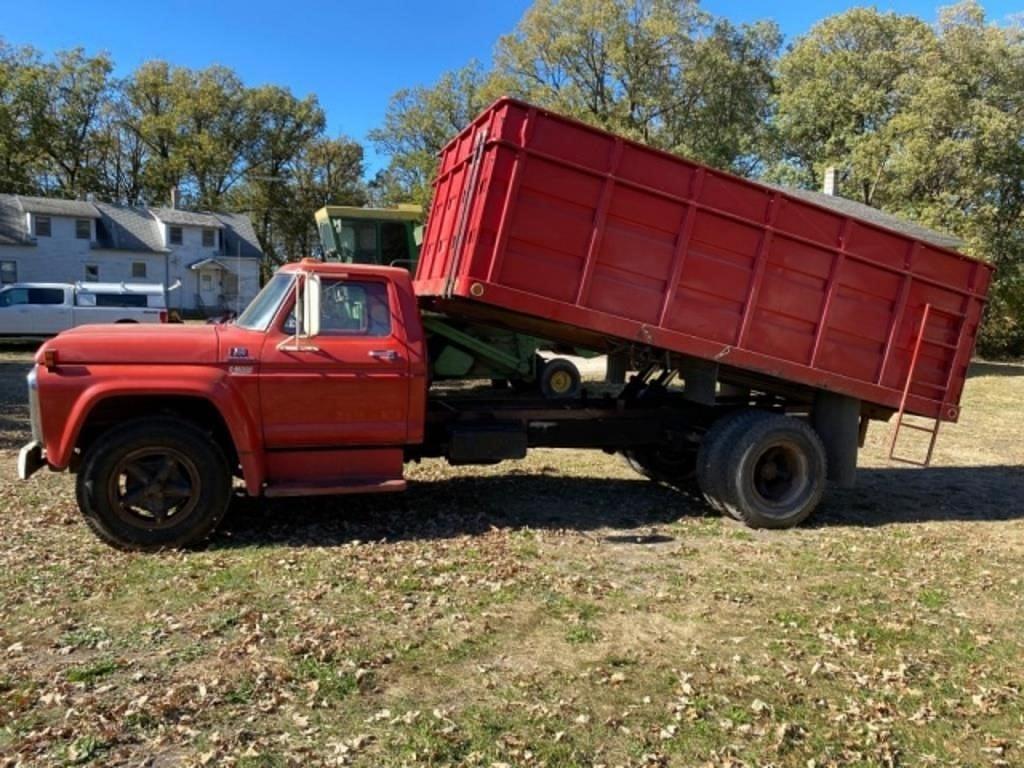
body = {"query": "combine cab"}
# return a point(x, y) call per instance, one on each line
point(459, 349)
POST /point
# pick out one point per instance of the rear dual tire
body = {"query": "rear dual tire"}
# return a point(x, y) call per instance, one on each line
point(764, 469)
point(677, 467)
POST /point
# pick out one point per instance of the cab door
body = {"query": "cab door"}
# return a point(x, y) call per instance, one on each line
point(349, 386)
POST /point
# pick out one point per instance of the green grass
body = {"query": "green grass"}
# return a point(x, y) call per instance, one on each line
point(567, 615)
point(93, 671)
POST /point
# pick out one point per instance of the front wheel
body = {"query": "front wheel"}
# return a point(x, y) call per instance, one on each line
point(153, 484)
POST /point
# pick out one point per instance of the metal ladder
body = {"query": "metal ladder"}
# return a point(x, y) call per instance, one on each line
point(932, 430)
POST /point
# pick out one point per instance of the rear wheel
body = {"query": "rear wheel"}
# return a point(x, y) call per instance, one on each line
point(775, 473)
point(677, 467)
point(153, 484)
point(559, 378)
point(713, 449)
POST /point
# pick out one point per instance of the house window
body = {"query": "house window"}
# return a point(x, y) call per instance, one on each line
point(207, 238)
point(174, 235)
point(92, 273)
point(83, 229)
point(42, 226)
point(138, 269)
point(8, 272)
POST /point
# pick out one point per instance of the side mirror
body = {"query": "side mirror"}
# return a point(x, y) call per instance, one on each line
point(311, 306)
point(306, 314)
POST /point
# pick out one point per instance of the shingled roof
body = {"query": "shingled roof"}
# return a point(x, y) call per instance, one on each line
point(12, 222)
point(849, 207)
point(177, 216)
point(124, 227)
point(52, 206)
point(239, 236)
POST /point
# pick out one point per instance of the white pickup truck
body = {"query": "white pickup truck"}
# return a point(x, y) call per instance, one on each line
point(38, 310)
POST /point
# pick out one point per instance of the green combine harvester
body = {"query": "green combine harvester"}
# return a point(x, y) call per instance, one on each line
point(458, 349)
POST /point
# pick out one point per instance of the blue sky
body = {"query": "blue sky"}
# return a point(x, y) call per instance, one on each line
point(352, 55)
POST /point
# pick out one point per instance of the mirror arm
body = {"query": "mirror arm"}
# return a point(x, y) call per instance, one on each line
point(295, 340)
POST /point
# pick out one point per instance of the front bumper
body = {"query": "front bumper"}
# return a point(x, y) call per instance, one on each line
point(30, 457)
point(30, 460)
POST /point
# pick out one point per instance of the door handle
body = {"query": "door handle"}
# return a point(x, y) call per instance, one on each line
point(384, 354)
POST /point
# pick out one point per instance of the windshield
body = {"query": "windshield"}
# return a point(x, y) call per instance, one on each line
point(261, 310)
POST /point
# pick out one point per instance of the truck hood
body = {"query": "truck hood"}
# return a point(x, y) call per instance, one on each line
point(136, 344)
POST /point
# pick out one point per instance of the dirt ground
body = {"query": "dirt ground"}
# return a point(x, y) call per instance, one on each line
point(560, 611)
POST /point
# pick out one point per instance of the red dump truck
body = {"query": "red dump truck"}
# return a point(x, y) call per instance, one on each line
point(766, 329)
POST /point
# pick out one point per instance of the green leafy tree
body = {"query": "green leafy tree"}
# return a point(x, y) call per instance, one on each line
point(923, 121)
point(152, 96)
point(22, 104)
point(216, 131)
point(840, 87)
point(327, 171)
point(660, 71)
point(121, 156)
point(281, 126)
point(78, 89)
point(418, 123)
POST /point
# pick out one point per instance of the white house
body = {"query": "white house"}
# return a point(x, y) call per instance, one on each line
point(215, 256)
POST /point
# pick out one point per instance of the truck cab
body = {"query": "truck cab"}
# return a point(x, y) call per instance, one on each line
point(318, 388)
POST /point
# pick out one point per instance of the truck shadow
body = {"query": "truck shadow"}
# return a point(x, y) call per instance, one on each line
point(984, 368)
point(474, 505)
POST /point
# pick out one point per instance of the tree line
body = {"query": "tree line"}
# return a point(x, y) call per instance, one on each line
point(924, 120)
point(69, 128)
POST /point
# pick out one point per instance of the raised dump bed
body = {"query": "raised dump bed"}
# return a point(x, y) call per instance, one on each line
point(555, 228)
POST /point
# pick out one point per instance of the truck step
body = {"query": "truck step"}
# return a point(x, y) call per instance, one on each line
point(333, 487)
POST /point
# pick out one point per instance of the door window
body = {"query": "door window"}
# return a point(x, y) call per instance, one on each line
point(18, 296)
point(45, 296)
point(13, 297)
point(356, 308)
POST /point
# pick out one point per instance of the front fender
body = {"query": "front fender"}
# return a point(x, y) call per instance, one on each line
point(69, 394)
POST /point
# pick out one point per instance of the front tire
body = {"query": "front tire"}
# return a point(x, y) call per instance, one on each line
point(153, 484)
